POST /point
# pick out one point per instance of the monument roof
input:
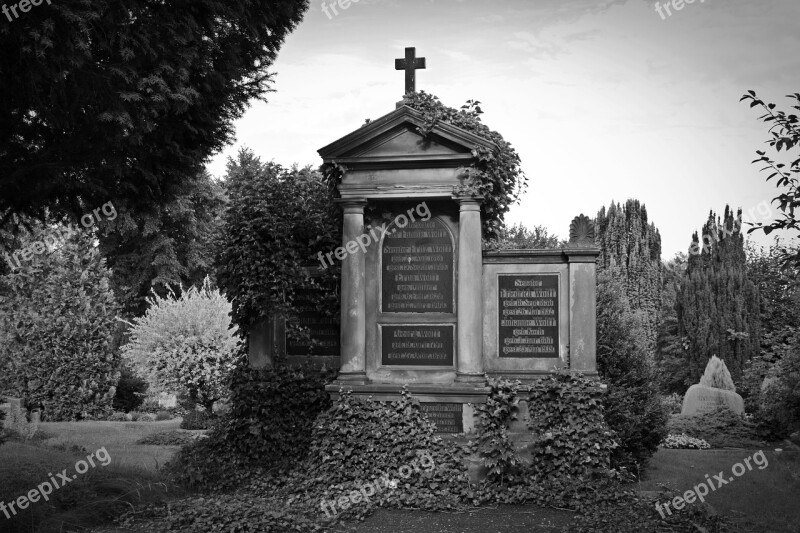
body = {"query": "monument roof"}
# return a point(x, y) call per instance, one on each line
point(394, 139)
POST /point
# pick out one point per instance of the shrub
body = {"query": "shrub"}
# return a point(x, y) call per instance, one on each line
point(673, 403)
point(684, 441)
point(720, 427)
point(196, 420)
point(169, 438)
point(163, 415)
point(185, 342)
point(264, 249)
point(779, 415)
point(57, 316)
point(269, 425)
point(2, 430)
point(633, 408)
point(130, 391)
point(571, 438)
point(717, 376)
point(117, 417)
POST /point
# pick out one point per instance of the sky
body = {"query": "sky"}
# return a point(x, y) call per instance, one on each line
point(604, 100)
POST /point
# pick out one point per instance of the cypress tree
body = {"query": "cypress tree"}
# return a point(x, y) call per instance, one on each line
point(718, 306)
point(633, 246)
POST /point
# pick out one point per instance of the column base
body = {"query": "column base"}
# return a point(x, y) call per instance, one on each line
point(351, 378)
point(463, 377)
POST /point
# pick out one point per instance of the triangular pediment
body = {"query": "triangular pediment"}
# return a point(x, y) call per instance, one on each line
point(396, 137)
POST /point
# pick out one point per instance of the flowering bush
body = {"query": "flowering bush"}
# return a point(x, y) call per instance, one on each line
point(684, 441)
point(185, 343)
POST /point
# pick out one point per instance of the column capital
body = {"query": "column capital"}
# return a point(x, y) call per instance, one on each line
point(468, 203)
point(354, 206)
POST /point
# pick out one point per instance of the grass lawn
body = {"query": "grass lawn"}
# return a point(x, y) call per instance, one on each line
point(119, 438)
point(92, 498)
point(760, 501)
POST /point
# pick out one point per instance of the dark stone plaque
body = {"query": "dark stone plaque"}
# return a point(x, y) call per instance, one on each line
point(527, 308)
point(417, 269)
point(447, 416)
point(322, 329)
point(417, 345)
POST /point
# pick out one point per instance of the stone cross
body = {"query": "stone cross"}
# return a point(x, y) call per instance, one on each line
point(410, 64)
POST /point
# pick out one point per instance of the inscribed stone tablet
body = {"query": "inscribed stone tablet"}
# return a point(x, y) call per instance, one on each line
point(417, 345)
point(417, 269)
point(527, 311)
point(447, 416)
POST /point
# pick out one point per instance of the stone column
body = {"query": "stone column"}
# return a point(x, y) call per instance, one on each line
point(353, 315)
point(470, 283)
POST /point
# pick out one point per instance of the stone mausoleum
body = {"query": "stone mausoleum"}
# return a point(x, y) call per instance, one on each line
point(422, 304)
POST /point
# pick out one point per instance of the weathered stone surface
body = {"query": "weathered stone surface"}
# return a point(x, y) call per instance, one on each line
point(700, 398)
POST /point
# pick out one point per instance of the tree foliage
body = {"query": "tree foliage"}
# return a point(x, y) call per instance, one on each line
point(125, 100)
point(276, 223)
point(779, 287)
point(718, 307)
point(185, 343)
point(518, 237)
point(672, 348)
point(57, 316)
point(170, 245)
point(784, 130)
point(627, 241)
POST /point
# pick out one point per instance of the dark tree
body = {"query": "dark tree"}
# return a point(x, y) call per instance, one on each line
point(628, 242)
point(124, 101)
point(671, 347)
point(718, 307)
point(173, 244)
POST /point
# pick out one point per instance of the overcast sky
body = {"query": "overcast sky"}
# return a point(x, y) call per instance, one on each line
point(604, 100)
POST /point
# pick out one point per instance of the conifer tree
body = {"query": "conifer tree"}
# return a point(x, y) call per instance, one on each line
point(718, 306)
point(631, 244)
